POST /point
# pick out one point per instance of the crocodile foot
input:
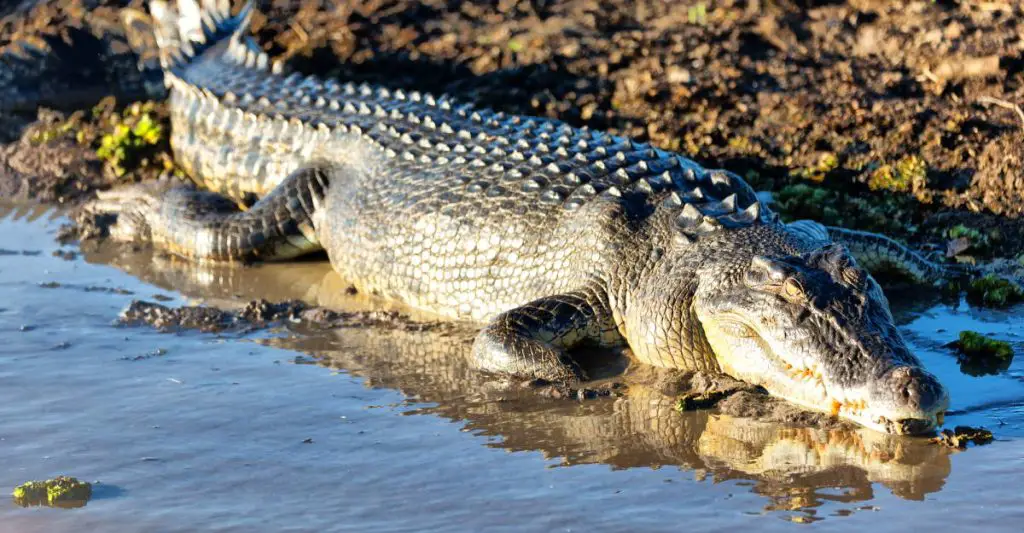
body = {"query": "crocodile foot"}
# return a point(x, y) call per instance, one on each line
point(134, 207)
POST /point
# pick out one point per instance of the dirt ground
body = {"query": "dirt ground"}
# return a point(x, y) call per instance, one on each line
point(875, 115)
point(897, 117)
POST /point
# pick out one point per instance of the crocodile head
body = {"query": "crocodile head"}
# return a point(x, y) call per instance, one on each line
point(815, 329)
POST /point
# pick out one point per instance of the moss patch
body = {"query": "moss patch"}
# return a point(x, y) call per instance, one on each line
point(994, 291)
point(61, 491)
point(980, 355)
point(909, 174)
point(891, 215)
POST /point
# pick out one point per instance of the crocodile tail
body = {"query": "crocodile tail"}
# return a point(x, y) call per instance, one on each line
point(194, 28)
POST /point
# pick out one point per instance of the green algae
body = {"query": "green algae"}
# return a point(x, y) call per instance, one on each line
point(61, 491)
point(981, 356)
point(974, 344)
point(993, 291)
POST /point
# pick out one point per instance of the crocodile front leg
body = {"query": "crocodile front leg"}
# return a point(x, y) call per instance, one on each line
point(532, 341)
point(204, 226)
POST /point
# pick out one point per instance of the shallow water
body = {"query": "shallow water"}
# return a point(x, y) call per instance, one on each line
point(192, 431)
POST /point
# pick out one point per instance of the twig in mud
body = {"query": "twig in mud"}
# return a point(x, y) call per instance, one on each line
point(1004, 104)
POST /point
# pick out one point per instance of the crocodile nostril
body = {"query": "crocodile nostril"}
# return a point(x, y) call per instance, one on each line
point(911, 393)
point(917, 389)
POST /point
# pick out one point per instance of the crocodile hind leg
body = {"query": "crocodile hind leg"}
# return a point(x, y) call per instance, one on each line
point(533, 340)
point(204, 226)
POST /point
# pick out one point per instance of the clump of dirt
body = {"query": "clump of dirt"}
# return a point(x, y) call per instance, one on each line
point(261, 313)
point(760, 406)
point(959, 437)
point(165, 318)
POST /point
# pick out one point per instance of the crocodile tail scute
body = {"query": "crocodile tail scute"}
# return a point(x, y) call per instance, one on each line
point(193, 28)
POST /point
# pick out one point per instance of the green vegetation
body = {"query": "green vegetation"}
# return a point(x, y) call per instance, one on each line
point(128, 140)
point(826, 163)
point(134, 139)
point(966, 239)
point(698, 14)
point(971, 234)
point(973, 344)
point(994, 291)
point(909, 174)
point(981, 355)
point(889, 215)
point(56, 130)
point(61, 491)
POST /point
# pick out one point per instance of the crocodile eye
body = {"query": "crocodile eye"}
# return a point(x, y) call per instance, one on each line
point(793, 291)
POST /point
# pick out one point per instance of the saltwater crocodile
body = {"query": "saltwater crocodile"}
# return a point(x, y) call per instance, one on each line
point(551, 236)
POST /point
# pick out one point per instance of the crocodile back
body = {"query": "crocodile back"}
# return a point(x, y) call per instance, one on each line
point(452, 208)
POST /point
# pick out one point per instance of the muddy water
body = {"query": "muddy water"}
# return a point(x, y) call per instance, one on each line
point(384, 430)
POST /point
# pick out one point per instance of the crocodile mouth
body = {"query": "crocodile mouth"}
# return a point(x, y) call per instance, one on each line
point(745, 354)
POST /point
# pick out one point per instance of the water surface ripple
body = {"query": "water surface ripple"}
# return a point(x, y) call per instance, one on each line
point(383, 430)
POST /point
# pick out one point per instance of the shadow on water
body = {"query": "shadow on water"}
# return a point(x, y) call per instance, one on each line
point(795, 468)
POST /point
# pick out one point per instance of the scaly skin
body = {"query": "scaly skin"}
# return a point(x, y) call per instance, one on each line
point(551, 236)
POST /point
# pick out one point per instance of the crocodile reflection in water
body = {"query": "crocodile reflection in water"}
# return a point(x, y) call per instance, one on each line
point(796, 468)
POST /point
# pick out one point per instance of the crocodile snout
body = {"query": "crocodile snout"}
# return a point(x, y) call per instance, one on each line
point(917, 390)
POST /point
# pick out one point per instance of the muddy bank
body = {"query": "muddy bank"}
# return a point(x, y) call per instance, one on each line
point(874, 115)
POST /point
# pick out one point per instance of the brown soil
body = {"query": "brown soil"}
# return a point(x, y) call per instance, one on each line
point(890, 112)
